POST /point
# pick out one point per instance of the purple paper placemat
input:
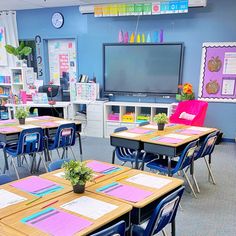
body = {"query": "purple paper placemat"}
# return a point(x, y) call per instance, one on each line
point(140, 131)
point(57, 223)
point(8, 121)
point(128, 193)
point(8, 129)
point(97, 166)
point(33, 184)
point(48, 124)
point(170, 140)
point(44, 118)
point(189, 131)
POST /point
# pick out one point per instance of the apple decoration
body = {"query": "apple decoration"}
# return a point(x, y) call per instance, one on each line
point(212, 87)
point(214, 64)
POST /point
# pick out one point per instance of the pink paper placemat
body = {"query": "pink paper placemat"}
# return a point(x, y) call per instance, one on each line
point(8, 129)
point(8, 121)
point(97, 166)
point(128, 193)
point(140, 131)
point(189, 131)
point(44, 118)
point(49, 124)
point(33, 184)
point(170, 140)
point(57, 223)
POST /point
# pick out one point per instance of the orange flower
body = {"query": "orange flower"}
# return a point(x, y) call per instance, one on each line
point(188, 88)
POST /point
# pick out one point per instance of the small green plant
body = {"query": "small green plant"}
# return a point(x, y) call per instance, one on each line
point(20, 51)
point(77, 172)
point(22, 112)
point(161, 118)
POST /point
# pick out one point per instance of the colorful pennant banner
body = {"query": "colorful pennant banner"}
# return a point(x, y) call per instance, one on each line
point(134, 9)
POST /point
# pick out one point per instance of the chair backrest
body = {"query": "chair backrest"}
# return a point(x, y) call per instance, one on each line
point(55, 165)
point(208, 145)
point(121, 151)
point(115, 230)
point(164, 213)
point(30, 141)
point(194, 107)
point(144, 123)
point(186, 156)
point(65, 136)
point(5, 179)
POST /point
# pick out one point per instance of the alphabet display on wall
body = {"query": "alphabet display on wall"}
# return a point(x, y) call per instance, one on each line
point(218, 72)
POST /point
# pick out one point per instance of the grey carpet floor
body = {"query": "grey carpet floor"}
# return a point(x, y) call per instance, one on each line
point(211, 214)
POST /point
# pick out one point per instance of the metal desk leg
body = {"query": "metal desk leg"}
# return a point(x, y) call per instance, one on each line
point(80, 144)
point(169, 165)
point(173, 228)
point(136, 160)
point(113, 156)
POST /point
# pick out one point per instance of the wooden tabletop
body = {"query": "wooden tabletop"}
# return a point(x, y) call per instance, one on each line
point(13, 126)
point(14, 221)
point(56, 175)
point(6, 211)
point(157, 193)
point(8, 231)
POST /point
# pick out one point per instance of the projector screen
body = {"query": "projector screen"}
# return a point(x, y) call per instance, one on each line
point(149, 69)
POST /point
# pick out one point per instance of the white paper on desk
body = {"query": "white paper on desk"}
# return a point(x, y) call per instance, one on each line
point(178, 136)
point(60, 174)
point(28, 126)
point(31, 119)
point(127, 134)
point(89, 207)
point(203, 129)
point(7, 198)
point(150, 126)
point(63, 122)
point(149, 181)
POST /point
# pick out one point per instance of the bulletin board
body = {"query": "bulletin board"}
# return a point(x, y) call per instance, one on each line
point(218, 72)
point(3, 52)
point(62, 58)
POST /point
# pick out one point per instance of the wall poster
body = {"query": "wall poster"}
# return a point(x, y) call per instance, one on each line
point(62, 60)
point(218, 72)
point(3, 52)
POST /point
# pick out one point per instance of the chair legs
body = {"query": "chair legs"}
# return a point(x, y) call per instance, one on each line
point(164, 232)
point(189, 183)
point(14, 166)
point(210, 171)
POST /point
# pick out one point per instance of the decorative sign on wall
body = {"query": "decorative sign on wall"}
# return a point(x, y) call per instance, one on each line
point(3, 53)
point(38, 43)
point(134, 9)
point(62, 59)
point(218, 72)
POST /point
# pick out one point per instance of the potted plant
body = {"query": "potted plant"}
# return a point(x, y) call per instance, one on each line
point(21, 114)
point(19, 52)
point(161, 119)
point(78, 174)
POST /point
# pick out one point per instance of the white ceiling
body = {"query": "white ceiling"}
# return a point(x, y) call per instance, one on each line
point(33, 4)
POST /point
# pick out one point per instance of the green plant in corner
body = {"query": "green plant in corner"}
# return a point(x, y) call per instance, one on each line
point(22, 112)
point(161, 118)
point(20, 51)
point(77, 172)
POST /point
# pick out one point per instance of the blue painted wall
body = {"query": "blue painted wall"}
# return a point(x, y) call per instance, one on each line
point(215, 23)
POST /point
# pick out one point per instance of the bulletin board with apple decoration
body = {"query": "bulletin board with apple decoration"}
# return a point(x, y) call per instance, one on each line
point(218, 72)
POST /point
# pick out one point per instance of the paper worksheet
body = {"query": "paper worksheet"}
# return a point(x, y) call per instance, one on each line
point(89, 207)
point(127, 135)
point(178, 136)
point(63, 122)
point(149, 181)
point(151, 126)
point(203, 129)
point(28, 126)
point(31, 119)
point(7, 198)
point(60, 174)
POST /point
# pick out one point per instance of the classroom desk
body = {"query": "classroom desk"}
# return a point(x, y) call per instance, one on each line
point(144, 142)
point(56, 175)
point(144, 208)
point(122, 212)
point(8, 231)
point(12, 209)
point(10, 129)
point(58, 104)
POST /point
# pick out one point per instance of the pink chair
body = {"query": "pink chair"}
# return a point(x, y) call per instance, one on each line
point(191, 112)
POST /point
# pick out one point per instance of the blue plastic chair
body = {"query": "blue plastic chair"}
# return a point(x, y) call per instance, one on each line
point(115, 230)
point(171, 167)
point(128, 155)
point(4, 179)
point(55, 165)
point(30, 142)
point(163, 215)
point(206, 149)
point(64, 139)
